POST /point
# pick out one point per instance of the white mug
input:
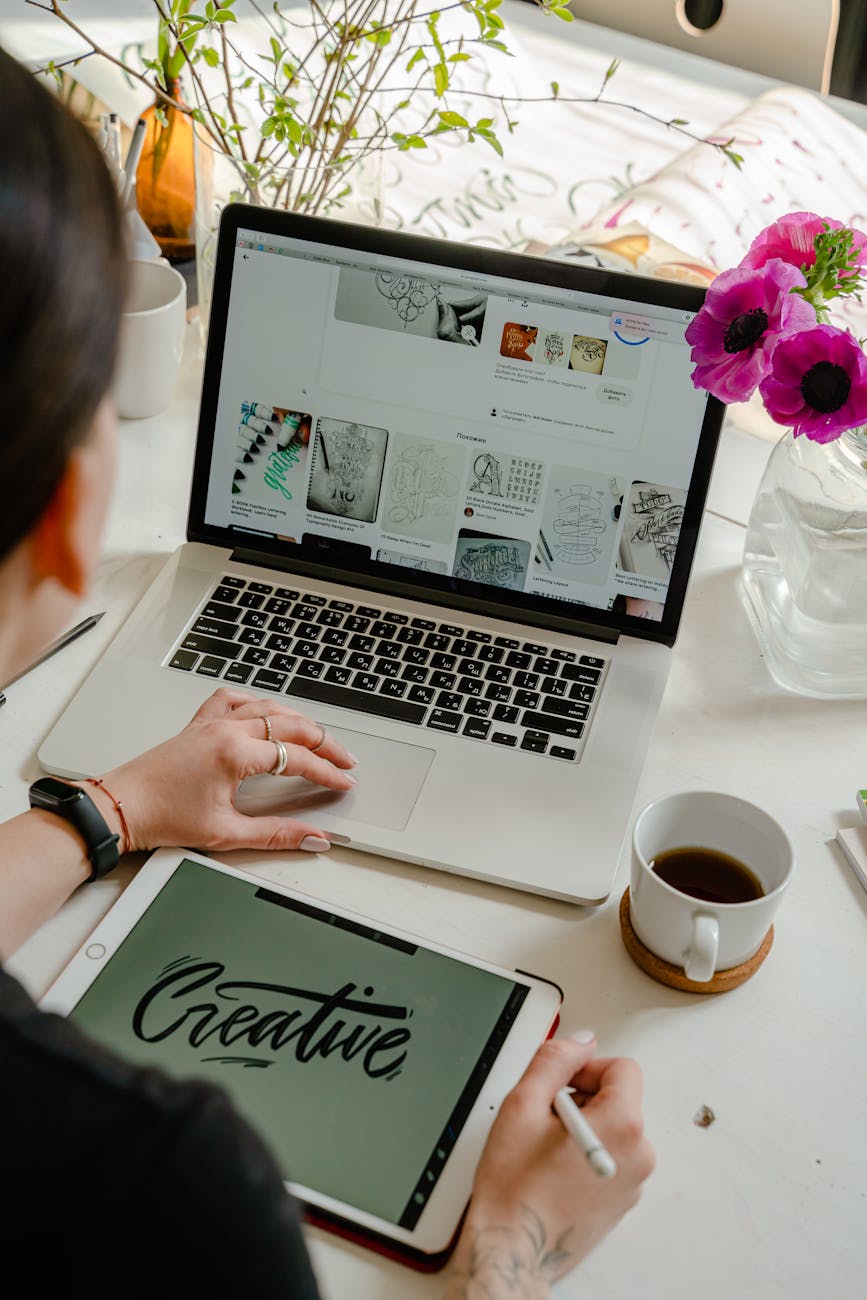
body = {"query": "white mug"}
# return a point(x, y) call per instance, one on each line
point(151, 339)
point(704, 937)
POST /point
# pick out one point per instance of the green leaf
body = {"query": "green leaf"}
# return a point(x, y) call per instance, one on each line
point(555, 88)
point(611, 69)
point(492, 141)
point(441, 79)
point(276, 49)
point(679, 121)
point(419, 54)
point(459, 57)
point(210, 56)
point(566, 14)
point(225, 15)
point(452, 119)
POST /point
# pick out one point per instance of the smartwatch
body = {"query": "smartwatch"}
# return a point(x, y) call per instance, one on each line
point(73, 805)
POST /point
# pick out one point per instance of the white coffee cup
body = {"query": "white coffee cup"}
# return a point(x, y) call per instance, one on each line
point(705, 937)
point(151, 339)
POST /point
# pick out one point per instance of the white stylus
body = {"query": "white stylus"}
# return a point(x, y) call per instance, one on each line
point(574, 1122)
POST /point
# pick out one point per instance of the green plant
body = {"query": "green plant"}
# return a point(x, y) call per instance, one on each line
point(319, 88)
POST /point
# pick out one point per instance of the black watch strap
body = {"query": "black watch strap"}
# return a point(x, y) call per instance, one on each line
point(75, 806)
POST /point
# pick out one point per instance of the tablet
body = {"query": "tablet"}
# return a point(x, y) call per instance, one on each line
point(371, 1061)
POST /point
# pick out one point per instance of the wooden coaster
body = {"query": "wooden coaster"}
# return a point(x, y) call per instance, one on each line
point(674, 976)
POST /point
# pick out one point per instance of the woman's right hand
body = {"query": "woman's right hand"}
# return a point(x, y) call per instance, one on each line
point(538, 1208)
point(182, 792)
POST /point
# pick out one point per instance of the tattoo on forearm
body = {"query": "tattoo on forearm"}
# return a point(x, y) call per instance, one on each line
point(511, 1264)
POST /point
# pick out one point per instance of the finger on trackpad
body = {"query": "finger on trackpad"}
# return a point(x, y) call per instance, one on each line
point(390, 775)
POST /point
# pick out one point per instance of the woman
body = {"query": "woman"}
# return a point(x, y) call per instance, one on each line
point(114, 1172)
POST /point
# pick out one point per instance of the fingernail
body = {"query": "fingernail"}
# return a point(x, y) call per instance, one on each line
point(353, 760)
point(351, 778)
point(314, 844)
point(580, 1035)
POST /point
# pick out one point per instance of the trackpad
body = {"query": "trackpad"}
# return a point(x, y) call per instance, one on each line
point(390, 775)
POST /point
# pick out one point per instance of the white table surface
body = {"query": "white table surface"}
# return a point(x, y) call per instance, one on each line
point(770, 1200)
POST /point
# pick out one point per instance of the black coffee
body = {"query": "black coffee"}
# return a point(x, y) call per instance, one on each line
point(706, 874)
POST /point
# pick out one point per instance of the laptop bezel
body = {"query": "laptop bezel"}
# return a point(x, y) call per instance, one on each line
point(444, 590)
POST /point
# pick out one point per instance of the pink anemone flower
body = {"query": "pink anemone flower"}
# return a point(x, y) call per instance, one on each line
point(745, 313)
point(792, 240)
point(817, 383)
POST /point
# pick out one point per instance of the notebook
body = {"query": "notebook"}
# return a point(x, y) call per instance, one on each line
point(445, 501)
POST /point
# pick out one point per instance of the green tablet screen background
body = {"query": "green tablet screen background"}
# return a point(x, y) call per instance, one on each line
point(356, 1056)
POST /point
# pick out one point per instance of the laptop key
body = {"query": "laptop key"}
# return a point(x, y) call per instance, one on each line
point(283, 626)
point(254, 618)
point(308, 631)
point(450, 700)
point(209, 645)
point(409, 636)
point(426, 624)
point(535, 742)
point(304, 610)
point(490, 654)
point(183, 659)
point(334, 636)
point(382, 706)
point(254, 636)
point(305, 649)
point(414, 654)
point(262, 587)
point(269, 680)
point(344, 606)
point(470, 686)
point(476, 728)
point(442, 681)
point(211, 666)
point(461, 646)
point(352, 623)
point(225, 591)
point(564, 708)
point(590, 661)
point(527, 699)
point(414, 673)
point(505, 713)
point(567, 656)
point(363, 663)
point(214, 627)
point(238, 673)
point(391, 617)
point(363, 643)
point(517, 659)
point(387, 667)
point(497, 673)
point(497, 691)
point(420, 694)
point(332, 654)
point(329, 617)
point(550, 723)
point(546, 666)
point(338, 674)
point(367, 611)
point(533, 649)
point(284, 663)
point(229, 580)
point(389, 649)
point(561, 751)
point(477, 708)
point(382, 629)
point(436, 641)
point(314, 600)
point(507, 642)
point(393, 688)
point(504, 738)
point(218, 609)
point(366, 682)
point(450, 629)
point(255, 654)
point(473, 635)
point(471, 668)
point(554, 686)
point(581, 673)
point(444, 720)
point(527, 681)
point(578, 691)
point(286, 593)
point(447, 662)
point(310, 668)
point(251, 599)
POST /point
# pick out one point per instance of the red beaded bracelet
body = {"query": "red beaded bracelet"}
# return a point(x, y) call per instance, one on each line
point(97, 780)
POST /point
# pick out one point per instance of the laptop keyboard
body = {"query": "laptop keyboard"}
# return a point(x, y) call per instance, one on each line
point(447, 677)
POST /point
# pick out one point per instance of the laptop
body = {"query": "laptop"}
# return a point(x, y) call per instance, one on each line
point(445, 501)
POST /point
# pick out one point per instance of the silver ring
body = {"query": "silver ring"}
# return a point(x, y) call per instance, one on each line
point(282, 758)
point(267, 722)
point(321, 741)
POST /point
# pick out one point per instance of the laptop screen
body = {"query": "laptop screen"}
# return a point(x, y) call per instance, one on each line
point(510, 430)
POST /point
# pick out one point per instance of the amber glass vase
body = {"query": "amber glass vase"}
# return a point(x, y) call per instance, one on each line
point(166, 181)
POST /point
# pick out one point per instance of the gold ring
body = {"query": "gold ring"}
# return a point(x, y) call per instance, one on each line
point(282, 758)
point(321, 741)
point(267, 722)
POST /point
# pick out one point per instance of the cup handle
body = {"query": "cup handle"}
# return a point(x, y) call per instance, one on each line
point(700, 962)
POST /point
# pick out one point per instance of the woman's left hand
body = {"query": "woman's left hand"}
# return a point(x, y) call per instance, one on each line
point(182, 792)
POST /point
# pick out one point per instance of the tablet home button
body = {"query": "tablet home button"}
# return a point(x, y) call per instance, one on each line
point(95, 950)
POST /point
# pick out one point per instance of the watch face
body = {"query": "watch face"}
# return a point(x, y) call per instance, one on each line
point(50, 790)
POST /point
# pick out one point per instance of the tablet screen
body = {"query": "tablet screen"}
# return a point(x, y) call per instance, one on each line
point(356, 1054)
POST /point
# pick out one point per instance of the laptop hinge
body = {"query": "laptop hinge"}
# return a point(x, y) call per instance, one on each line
point(447, 600)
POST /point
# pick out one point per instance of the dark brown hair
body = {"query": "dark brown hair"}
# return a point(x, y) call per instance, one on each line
point(62, 280)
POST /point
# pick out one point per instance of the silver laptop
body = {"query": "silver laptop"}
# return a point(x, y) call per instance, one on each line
point(445, 501)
